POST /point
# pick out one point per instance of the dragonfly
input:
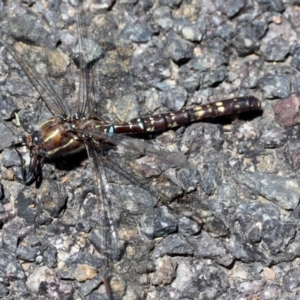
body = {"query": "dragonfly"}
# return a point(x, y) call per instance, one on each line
point(75, 126)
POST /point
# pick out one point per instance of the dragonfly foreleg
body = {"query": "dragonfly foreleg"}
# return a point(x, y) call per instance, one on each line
point(34, 170)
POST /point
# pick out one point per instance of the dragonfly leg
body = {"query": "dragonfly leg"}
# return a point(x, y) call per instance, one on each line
point(34, 171)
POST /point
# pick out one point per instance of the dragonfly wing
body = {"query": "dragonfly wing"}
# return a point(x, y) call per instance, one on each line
point(125, 218)
point(46, 77)
point(141, 148)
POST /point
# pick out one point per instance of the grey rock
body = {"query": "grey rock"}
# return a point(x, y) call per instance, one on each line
point(172, 245)
point(165, 271)
point(10, 242)
point(187, 30)
point(3, 290)
point(10, 266)
point(83, 225)
point(274, 137)
point(251, 287)
point(227, 194)
point(26, 27)
point(202, 136)
point(55, 201)
point(179, 48)
point(151, 65)
point(188, 179)
point(245, 252)
point(284, 233)
point(128, 1)
point(204, 70)
point(278, 86)
point(246, 40)
point(7, 107)
point(211, 214)
point(21, 289)
point(276, 50)
point(205, 280)
point(26, 253)
point(211, 179)
point(50, 255)
point(230, 8)
point(163, 17)
point(205, 246)
point(296, 60)
point(138, 32)
point(174, 98)
point(7, 137)
point(164, 222)
point(88, 286)
point(170, 3)
point(291, 280)
point(188, 226)
point(283, 192)
point(292, 154)
point(10, 158)
point(269, 5)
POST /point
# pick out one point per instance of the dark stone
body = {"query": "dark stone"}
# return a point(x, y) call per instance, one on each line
point(188, 179)
point(26, 28)
point(83, 225)
point(205, 246)
point(138, 32)
point(26, 253)
point(201, 279)
point(173, 245)
point(3, 290)
point(275, 188)
point(276, 50)
point(163, 18)
point(296, 60)
point(210, 212)
point(10, 158)
point(7, 137)
point(88, 286)
point(164, 222)
point(50, 255)
point(178, 48)
point(278, 86)
point(248, 35)
point(188, 226)
point(271, 5)
point(187, 30)
point(151, 65)
point(292, 154)
point(174, 97)
point(291, 280)
point(21, 289)
point(277, 236)
point(230, 8)
point(10, 266)
point(170, 3)
point(54, 201)
point(273, 136)
point(207, 69)
point(7, 107)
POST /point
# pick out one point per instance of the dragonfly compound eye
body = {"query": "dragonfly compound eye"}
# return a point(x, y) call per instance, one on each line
point(36, 138)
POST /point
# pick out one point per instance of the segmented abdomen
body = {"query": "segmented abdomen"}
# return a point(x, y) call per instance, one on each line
point(168, 120)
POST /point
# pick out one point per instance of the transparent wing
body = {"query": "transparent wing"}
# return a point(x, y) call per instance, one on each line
point(125, 217)
point(46, 70)
point(139, 147)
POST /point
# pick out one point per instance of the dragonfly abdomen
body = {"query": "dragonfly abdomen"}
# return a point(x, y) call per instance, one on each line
point(169, 120)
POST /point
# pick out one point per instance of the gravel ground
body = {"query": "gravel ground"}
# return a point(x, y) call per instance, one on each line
point(225, 229)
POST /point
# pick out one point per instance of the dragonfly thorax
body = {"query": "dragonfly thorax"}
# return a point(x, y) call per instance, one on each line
point(56, 138)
